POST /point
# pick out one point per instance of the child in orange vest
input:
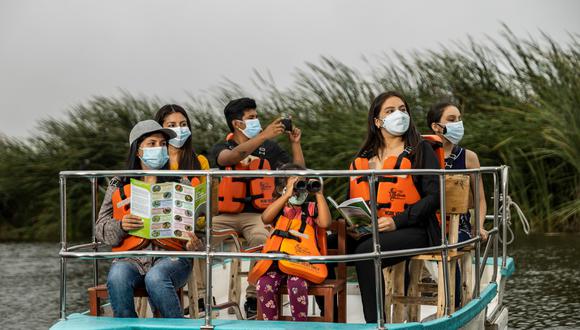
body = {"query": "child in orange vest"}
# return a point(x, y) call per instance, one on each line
point(290, 204)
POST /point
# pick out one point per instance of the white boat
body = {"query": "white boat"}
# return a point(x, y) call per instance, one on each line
point(485, 310)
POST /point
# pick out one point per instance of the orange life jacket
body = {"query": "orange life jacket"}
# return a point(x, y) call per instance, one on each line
point(295, 237)
point(395, 193)
point(121, 207)
point(235, 192)
point(437, 145)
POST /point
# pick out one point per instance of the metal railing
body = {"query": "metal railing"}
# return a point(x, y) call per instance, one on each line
point(500, 186)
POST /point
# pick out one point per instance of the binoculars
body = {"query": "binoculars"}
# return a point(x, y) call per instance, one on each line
point(312, 186)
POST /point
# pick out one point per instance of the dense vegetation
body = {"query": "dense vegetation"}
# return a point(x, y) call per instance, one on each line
point(520, 99)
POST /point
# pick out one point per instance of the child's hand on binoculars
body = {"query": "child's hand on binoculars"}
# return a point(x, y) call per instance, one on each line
point(319, 192)
point(290, 186)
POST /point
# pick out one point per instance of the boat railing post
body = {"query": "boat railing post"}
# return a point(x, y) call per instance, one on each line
point(63, 247)
point(504, 219)
point(94, 192)
point(208, 269)
point(444, 242)
point(495, 223)
point(478, 235)
point(377, 250)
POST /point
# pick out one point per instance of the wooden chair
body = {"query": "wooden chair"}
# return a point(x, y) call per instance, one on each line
point(99, 293)
point(195, 288)
point(236, 273)
point(329, 289)
point(406, 307)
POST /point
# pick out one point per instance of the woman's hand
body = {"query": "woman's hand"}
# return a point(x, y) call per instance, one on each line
point(131, 222)
point(484, 234)
point(194, 243)
point(387, 224)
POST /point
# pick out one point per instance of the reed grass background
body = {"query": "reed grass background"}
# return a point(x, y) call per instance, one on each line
point(520, 98)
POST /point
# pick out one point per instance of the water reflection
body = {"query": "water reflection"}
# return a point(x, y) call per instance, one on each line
point(544, 292)
point(545, 289)
point(29, 282)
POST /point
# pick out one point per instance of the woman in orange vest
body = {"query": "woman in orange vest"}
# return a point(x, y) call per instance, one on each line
point(406, 204)
point(306, 218)
point(160, 276)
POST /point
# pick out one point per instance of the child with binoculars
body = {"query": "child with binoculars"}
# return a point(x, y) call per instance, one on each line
point(312, 218)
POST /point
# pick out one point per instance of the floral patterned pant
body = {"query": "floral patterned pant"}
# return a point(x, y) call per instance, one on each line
point(267, 291)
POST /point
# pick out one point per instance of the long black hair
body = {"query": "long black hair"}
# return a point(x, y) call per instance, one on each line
point(188, 160)
point(436, 111)
point(374, 140)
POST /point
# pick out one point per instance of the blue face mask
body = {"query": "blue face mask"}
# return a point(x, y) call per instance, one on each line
point(155, 157)
point(253, 128)
point(182, 134)
point(454, 131)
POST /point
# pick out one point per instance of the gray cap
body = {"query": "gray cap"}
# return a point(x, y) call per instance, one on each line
point(147, 127)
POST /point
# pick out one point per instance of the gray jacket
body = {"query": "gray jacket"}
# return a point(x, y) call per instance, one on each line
point(109, 231)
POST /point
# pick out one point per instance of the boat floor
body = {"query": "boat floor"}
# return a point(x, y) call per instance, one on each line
point(355, 318)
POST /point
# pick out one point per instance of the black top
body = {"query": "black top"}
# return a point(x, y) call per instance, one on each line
point(270, 150)
point(422, 213)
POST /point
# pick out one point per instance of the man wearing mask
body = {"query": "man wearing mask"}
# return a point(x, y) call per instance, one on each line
point(249, 147)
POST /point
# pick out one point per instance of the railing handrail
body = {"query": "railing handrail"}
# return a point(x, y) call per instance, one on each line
point(278, 173)
point(256, 255)
point(500, 174)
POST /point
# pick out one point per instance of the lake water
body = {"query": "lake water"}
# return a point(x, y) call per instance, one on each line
point(544, 292)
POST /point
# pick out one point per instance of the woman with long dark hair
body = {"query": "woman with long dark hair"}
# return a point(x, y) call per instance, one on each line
point(182, 155)
point(160, 276)
point(406, 205)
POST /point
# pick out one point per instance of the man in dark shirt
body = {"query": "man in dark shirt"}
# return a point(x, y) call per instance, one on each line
point(247, 142)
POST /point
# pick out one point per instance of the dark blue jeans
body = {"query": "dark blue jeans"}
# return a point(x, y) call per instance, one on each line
point(161, 282)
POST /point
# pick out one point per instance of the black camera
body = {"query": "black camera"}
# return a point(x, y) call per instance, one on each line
point(312, 186)
point(287, 122)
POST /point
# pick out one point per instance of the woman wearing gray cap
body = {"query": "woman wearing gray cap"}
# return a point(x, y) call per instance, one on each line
point(160, 276)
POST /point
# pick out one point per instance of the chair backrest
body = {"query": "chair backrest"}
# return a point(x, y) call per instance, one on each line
point(339, 227)
point(456, 194)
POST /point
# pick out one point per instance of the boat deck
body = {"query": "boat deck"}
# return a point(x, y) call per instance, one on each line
point(472, 313)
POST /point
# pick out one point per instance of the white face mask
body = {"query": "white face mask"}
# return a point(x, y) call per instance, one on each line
point(296, 200)
point(396, 123)
point(454, 131)
point(182, 134)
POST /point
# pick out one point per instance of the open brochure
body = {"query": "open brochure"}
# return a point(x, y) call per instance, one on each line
point(357, 215)
point(168, 210)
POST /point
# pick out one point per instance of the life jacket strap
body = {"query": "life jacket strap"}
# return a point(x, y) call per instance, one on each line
point(362, 179)
point(122, 192)
point(404, 154)
point(383, 205)
point(390, 179)
point(254, 197)
point(452, 157)
point(285, 234)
